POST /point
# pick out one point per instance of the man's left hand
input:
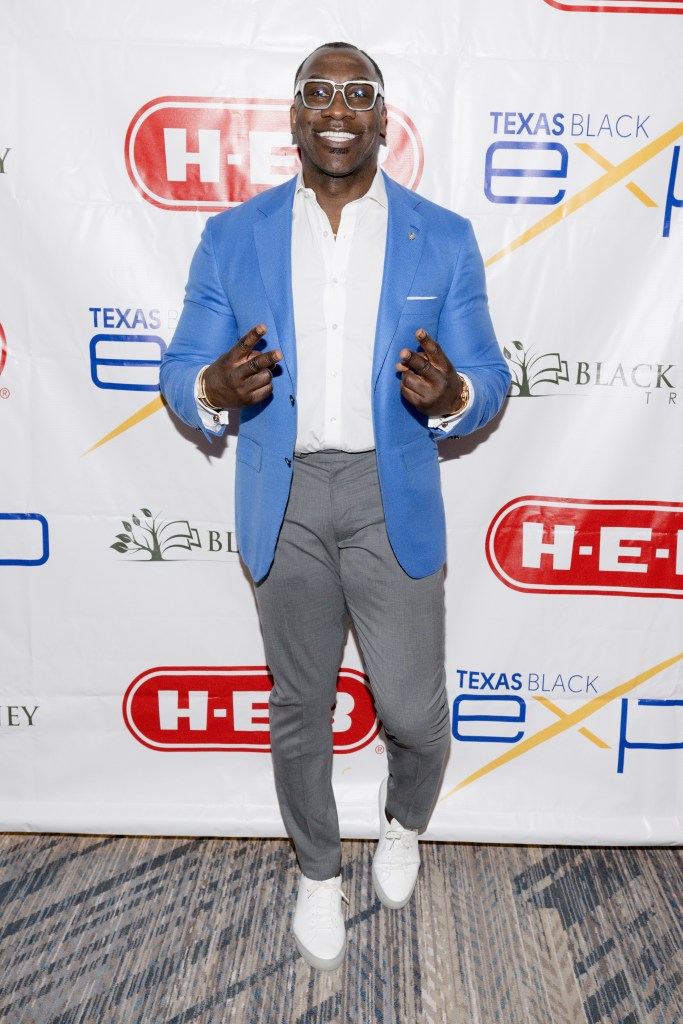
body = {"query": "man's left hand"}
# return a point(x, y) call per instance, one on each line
point(429, 381)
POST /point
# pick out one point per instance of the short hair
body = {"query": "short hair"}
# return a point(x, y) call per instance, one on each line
point(341, 46)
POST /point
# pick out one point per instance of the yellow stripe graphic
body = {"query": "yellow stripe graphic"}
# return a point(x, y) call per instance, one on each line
point(563, 714)
point(137, 417)
point(565, 723)
point(602, 184)
point(638, 192)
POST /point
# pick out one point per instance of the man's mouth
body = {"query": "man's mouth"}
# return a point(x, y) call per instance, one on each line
point(337, 136)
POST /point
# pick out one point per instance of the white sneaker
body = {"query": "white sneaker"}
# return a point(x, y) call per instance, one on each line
point(318, 922)
point(397, 859)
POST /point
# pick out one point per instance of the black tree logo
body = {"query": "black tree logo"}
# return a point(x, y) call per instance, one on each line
point(528, 370)
point(155, 537)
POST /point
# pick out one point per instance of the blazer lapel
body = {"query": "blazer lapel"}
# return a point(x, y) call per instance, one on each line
point(273, 241)
point(405, 241)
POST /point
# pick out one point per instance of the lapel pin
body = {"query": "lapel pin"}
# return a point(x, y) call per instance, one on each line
point(411, 236)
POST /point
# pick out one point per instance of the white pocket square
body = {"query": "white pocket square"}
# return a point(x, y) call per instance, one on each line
point(415, 298)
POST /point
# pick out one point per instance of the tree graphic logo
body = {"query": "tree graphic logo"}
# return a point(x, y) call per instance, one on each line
point(152, 537)
point(529, 372)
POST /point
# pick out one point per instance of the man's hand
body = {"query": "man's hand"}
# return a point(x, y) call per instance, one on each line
point(430, 382)
point(239, 377)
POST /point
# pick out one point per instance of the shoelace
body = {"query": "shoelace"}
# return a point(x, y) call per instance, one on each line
point(325, 909)
point(404, 836)
point(401, 850)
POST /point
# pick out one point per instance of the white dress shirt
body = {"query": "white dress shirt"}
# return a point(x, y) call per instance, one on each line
point(336, 284)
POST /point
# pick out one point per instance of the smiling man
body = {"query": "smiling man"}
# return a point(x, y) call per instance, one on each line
point(346, 317)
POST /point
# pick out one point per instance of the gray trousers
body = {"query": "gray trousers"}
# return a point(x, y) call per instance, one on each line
point(333, 564)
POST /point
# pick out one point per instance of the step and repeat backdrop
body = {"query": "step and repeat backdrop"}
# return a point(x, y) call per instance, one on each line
point(133, 688)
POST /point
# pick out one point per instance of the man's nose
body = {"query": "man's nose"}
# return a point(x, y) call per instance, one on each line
point(337, 108)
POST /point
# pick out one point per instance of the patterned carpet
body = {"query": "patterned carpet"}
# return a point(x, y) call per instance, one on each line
point(169, 931)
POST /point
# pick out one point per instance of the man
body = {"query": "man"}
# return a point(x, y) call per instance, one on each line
point(339, 513)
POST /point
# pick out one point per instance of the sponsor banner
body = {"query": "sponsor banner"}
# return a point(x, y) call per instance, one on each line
point(208, 153)
point(126, 362)
point(3, 349)
point(544, 159)
point(524, 723)
point(136, 699)
point(4, 391)
point(619, 7)
point(147, 536)
point(546, 374)
point(565, 683)
point(18, 716)
point(569, 546)
point(24, 538)
point(199, 709)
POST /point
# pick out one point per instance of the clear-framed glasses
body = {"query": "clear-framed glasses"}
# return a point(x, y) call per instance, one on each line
point(318, 93)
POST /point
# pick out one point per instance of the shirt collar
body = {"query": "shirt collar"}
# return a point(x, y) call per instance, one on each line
point(377, 190)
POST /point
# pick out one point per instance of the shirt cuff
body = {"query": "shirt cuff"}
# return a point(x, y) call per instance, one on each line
point(212, 419)
point(444, 423)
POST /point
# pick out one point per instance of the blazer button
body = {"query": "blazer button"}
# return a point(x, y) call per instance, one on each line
point(292, 399)
point(289, 462)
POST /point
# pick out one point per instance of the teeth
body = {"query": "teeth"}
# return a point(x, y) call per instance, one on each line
point(336, 135)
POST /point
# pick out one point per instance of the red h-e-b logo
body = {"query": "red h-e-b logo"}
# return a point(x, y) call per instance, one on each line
point(619, 6)
point(572, 546)
point(195, 153)
point(227, 709)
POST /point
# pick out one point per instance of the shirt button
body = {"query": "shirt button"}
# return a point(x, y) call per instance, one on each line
point(335, 280)
point(325, 233)
point(333, 419)
point(292, 399)
point(334, 373)
point(334, 327)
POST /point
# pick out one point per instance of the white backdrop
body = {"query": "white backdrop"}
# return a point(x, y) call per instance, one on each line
point(133, 690)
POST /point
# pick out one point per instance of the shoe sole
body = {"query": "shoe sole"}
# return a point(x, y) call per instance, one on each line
point(318, 962)
point(386, 900)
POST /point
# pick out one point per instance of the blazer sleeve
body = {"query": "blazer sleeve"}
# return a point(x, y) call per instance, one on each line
point(466, 334)
point(207, 327)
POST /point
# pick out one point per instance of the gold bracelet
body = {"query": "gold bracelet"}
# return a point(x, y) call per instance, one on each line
point(464, 397)
point(201, 390)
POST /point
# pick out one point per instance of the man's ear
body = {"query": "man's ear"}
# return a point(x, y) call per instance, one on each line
point(383, 121)
point(292, 119)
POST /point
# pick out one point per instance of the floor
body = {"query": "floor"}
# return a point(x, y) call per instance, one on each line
point(120, 930)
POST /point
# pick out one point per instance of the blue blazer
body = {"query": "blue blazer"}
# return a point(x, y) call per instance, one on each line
point(241, 276)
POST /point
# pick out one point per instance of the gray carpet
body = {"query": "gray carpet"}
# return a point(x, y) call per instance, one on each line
point(116, 930)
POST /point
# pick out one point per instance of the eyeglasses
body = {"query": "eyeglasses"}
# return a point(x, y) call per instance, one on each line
point(319, 93)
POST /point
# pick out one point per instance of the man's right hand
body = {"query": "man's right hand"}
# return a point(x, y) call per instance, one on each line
point(239, 377)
